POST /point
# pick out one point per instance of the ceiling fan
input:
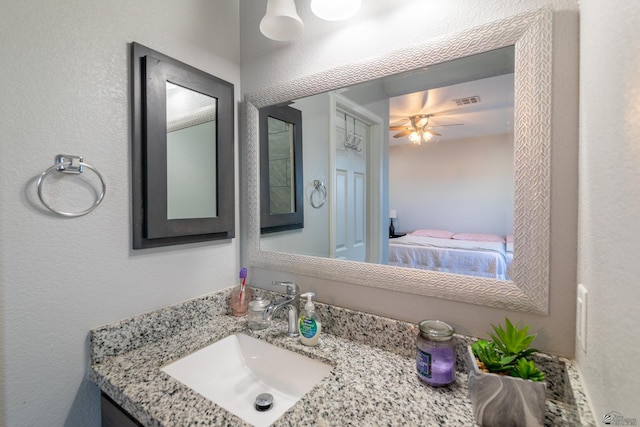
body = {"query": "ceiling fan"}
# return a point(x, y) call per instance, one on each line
point(419, 130)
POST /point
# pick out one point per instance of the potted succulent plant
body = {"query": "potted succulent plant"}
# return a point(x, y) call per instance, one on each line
point(506, 388)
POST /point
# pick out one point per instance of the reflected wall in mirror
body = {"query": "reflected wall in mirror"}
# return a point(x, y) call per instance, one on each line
point(182, 158)
point(282, 206)
point(530, 34)
point(191, 154)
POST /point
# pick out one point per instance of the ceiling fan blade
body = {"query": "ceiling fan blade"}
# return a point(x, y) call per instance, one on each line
point(398, 128)
point(401, 134)
point(433, 125)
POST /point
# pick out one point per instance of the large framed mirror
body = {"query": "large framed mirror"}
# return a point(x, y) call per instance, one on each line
point(182, 157)
point(529, 37)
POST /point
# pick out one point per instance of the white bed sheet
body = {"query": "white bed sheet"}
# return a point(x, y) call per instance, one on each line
point(474, 258)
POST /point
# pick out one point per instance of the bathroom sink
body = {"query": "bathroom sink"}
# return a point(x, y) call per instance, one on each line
point(232, 372)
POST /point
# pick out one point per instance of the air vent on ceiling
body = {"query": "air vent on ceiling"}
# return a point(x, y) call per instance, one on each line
point(467, 101)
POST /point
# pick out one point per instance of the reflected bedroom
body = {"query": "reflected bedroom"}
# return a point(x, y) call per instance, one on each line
point(419, 170)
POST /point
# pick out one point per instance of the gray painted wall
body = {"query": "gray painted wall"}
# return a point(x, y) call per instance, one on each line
point(463, 185)
point(609, 204)
point(65, 76)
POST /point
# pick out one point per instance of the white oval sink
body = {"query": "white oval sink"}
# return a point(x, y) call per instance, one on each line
point(232, 372)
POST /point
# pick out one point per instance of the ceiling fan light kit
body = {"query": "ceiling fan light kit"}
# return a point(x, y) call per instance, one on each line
point(418, 131)
point(418, 137)
point(415, 137)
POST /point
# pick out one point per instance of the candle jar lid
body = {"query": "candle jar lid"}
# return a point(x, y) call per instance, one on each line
point(436, 330)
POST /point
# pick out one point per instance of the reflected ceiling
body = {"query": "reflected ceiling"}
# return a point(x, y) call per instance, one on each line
point(491, 112)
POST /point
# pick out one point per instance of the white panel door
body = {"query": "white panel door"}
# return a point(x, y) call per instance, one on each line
point(341, 218)
point(351, 188)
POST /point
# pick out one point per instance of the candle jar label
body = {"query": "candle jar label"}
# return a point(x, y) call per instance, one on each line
point(423, 364)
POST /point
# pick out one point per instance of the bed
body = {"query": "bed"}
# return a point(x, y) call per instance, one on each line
point(482, 258)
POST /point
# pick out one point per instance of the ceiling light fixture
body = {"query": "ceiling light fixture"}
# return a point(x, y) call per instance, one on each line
point(427, 136)
point(281, 22)
point(418, 137)
point(335, 10)
point(415, 138)
point(417, 132)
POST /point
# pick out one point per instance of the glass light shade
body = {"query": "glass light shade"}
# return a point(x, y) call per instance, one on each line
point(393, 214)
point(427, 136)
point(281, 22)
point(335, 10)
point(414, 137)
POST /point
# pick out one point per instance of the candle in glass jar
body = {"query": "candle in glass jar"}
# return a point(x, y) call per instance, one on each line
point(436, 353)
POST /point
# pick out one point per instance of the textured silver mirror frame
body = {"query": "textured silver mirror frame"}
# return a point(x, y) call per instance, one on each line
point(531, 33)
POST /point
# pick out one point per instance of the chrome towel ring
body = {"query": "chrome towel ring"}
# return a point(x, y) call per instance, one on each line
point(319, 192)
point(70, 164)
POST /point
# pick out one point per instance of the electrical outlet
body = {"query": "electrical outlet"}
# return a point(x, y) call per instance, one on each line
point(581, 317)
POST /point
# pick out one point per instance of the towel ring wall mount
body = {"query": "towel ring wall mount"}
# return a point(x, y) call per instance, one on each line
point(320, 190)
point(71, 165)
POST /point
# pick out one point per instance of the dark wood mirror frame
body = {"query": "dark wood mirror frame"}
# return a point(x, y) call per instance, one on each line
point(151, 227)
point(270, 223)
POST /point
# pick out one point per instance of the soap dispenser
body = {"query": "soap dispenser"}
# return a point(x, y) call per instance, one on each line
point(309, 324)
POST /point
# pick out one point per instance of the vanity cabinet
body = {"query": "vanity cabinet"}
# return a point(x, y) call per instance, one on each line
point(113, 415)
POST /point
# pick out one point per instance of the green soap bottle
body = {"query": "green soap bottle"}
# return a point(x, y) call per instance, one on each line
point(309, 325)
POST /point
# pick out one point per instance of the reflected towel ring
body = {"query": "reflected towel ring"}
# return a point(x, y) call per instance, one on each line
point(321, 190)
point(70, 164)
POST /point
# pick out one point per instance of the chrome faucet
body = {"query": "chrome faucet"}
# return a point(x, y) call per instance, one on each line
point(291, 301)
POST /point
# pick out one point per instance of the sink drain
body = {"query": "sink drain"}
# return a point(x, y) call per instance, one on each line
point(264, 402)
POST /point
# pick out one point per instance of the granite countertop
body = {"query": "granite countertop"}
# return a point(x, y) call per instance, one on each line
point(373, 380)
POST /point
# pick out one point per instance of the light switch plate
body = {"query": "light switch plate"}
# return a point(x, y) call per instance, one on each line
point(581, 320)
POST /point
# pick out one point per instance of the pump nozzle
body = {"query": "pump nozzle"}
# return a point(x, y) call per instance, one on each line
point(309, 306)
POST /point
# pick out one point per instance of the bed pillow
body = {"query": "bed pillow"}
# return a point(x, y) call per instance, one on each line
point(439, 234)
point(478, 237)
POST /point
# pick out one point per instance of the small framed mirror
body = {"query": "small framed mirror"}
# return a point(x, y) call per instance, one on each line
point(281, 199)
point(183, 173)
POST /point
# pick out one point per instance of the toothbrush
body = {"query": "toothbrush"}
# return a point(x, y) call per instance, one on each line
point(243, 276)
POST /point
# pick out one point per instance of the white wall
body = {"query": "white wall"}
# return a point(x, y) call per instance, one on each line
point(610, 203)
point(463, 185)
point(383, 26)
point(65, 79)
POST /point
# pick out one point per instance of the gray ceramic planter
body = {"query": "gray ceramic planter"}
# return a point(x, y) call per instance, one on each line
point(500, 400)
